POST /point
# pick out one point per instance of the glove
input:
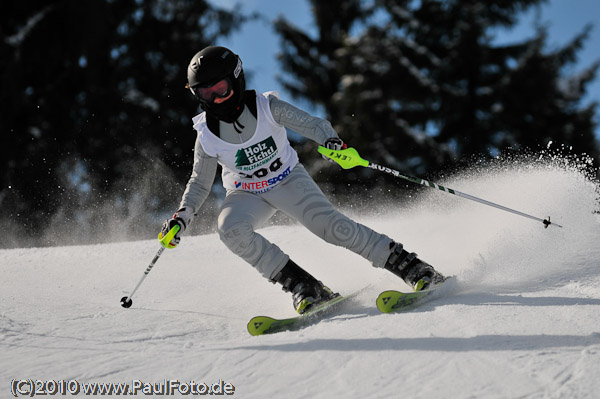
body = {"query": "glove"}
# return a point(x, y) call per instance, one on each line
point(182, 217)
point(334, 143)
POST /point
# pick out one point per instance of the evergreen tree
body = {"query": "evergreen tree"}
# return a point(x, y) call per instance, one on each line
point(494, 97)
point(93, 106)
point(420, 85)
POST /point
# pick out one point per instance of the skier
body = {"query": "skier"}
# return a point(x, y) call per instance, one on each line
point(245, 133)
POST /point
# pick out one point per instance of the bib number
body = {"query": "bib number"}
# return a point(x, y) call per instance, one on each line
point(263, 172)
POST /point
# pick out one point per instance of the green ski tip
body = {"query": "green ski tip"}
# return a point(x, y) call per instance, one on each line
point(261, 325)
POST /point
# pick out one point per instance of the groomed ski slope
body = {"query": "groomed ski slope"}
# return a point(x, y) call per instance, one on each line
point(523, 323)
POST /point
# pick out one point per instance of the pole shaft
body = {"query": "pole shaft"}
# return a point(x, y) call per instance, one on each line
point(424, 182)
point(150, 266)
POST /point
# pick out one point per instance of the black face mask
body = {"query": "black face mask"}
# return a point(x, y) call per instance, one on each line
point(227, 111)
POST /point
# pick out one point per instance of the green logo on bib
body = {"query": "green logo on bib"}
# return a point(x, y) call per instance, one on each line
point(250, 157)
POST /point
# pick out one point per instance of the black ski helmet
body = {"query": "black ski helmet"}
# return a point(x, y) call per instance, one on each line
point(211, 65)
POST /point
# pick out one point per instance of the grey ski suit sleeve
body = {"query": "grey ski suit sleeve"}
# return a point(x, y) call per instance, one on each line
point(311, 127)
point(201, 180)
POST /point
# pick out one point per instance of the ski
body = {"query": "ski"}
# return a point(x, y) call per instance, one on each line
point(397, 301)
point(261, 325)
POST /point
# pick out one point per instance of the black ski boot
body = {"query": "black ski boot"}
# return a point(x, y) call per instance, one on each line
point(306, 290)
point(412, 270)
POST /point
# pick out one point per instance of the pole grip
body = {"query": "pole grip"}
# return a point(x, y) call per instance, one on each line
point(347, 158)
point(164, 241)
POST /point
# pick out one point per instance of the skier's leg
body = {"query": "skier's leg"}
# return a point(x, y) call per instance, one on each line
point(242, 213)
point(300, 197)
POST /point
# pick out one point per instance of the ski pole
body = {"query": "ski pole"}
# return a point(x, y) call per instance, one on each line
point(349, 158)
point(126, 301)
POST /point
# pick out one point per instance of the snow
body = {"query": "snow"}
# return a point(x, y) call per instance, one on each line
point(521, 323)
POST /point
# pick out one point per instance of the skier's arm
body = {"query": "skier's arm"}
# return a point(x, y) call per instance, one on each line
point(311, 127)
point(196, 192)
point(201, 180)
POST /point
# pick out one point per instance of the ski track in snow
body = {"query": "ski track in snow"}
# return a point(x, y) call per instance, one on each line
point(521, 321)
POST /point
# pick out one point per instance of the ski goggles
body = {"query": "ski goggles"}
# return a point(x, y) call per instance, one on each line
point(220, 89)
